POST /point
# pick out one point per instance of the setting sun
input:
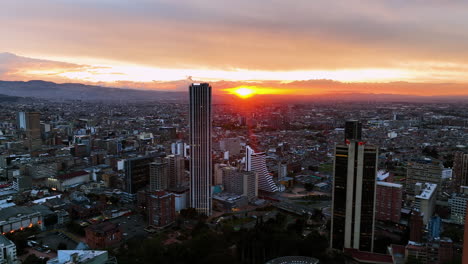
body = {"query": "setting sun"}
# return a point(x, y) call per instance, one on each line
point(244, 92)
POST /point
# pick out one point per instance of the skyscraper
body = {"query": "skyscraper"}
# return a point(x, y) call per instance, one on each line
point(256, 162)
point(200, 147)
point(353, 205)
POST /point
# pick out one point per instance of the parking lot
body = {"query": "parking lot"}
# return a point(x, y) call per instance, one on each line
point(132, 226)
point(51, 240)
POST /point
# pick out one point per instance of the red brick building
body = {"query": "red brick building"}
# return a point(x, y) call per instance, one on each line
point(388, 202)
point(160, 208)
point(416, 227)
point(103, 235)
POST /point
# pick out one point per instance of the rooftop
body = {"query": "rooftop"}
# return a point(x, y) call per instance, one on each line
point(72, 175)
point(427, 189)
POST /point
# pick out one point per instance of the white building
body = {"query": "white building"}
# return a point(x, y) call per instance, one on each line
point(7, 251)
point(256, 162)
point(457, 205)
point(425, 199)
point(80, 256)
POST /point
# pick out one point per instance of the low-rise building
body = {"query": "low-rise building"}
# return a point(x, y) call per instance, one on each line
point(19, 217)
point(103, 235)
point(80, 256)
point(64, 181)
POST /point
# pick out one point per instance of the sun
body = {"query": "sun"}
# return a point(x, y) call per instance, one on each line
point(244, 92)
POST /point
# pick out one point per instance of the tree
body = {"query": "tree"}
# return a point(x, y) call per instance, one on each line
point(62, 246)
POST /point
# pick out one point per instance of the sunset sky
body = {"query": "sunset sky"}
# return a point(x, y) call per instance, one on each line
point(416, 47)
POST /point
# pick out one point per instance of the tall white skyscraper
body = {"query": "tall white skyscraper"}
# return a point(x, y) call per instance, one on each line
point(256, 162)
point(200, 147)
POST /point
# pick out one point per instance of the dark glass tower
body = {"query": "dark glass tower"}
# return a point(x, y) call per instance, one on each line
point(353, 205)
point(200, 147)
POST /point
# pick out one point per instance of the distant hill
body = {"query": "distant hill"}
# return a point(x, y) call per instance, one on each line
point(77, 91)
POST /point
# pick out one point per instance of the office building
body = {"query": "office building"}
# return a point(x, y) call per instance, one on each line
point(460, 170)
point(425, 199)
point(244, 183)
point(200, 147)
point(7, 251)
point(137, 171)
point(388, 201)
point(158, 176)
point(256, 162)
point(176, 171)
point(161, 209)
point(354, 184)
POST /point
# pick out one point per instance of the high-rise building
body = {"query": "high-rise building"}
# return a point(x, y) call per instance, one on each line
point(353, 130)
point(460, 170)
point(176, 171)
point(240, 182)
point(416, 226)
point(424, 171)
point(30, 123)
point(354, 184)
point(425, 199)
point(256, 162)
point(137, 171)
point(388, 201)
point(158, 176)
point(200, 148)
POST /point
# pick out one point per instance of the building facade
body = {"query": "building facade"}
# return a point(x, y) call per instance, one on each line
point(200, 148)
point(137, 171)
point(103, 235)
point(176, 171)
point(161, 209)
point(159, 178)
point(460, 170)
point(388, 201)
point(240, 182)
